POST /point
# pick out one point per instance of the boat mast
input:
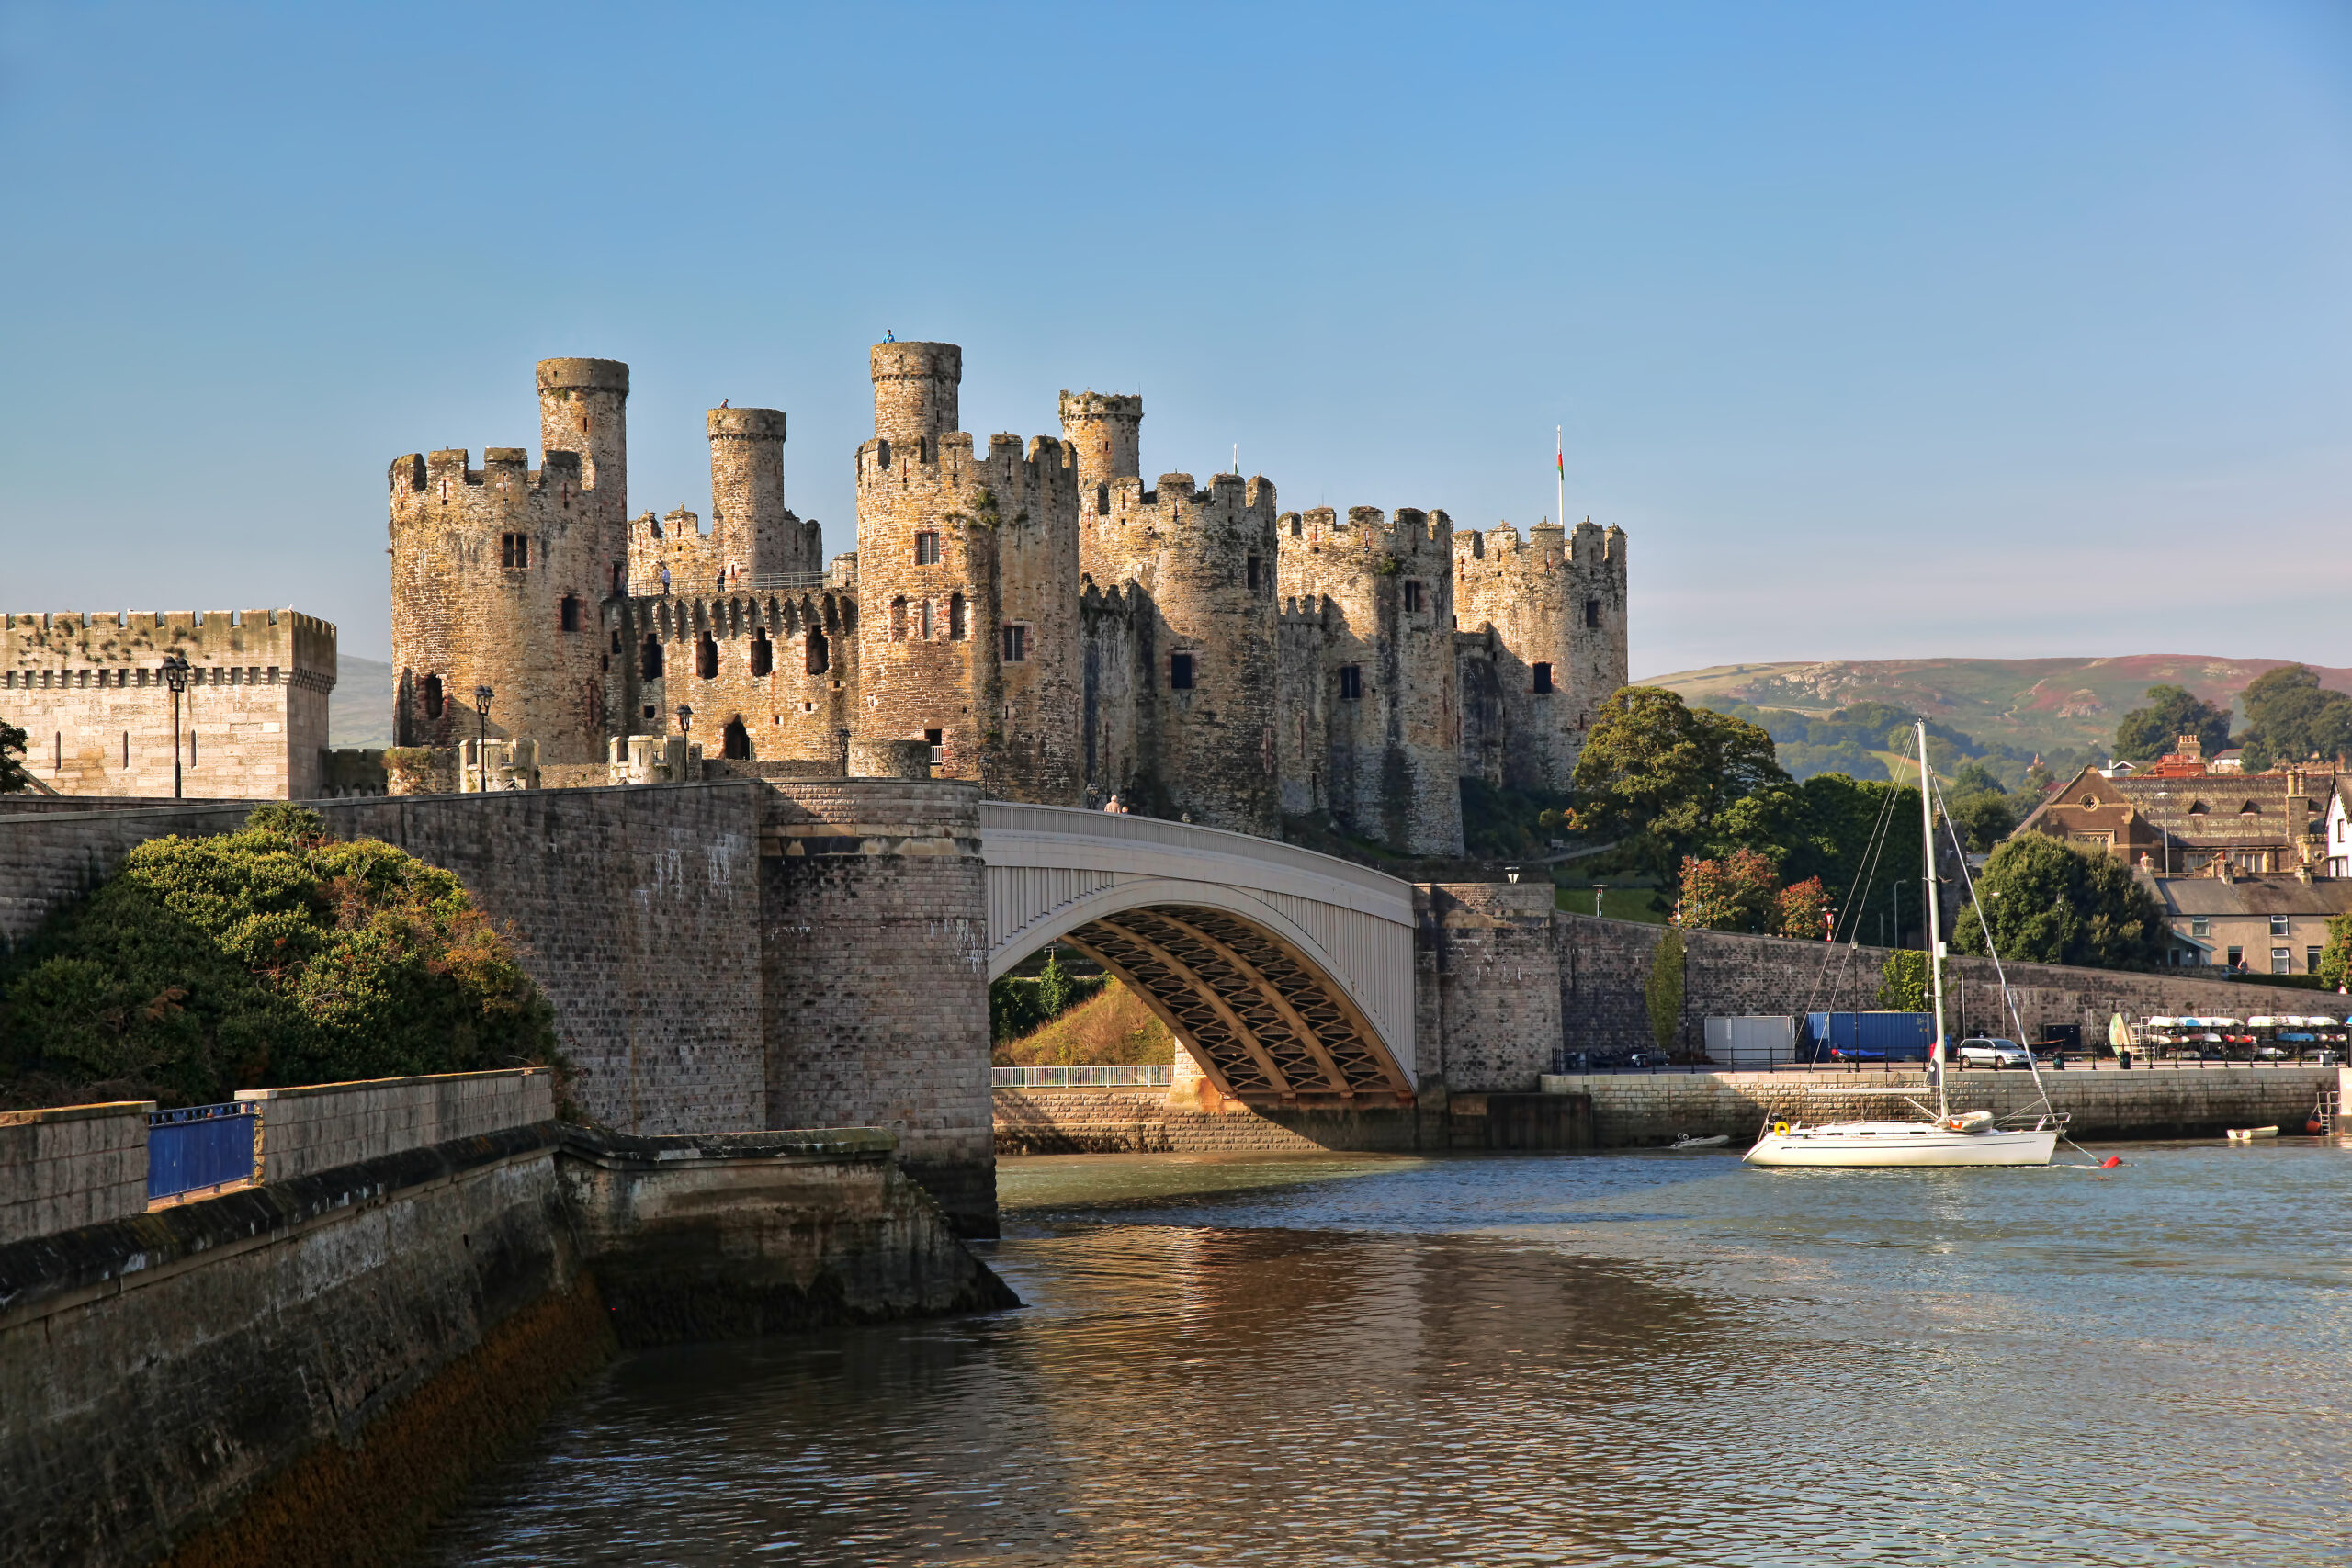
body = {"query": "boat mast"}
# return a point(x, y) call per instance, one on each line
point(1935, 916)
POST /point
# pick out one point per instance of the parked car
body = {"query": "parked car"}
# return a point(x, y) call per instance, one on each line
point(1995, 1054)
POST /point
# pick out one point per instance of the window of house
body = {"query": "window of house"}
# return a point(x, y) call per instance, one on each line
point(1543, 680)
point(939, 749)
point(1179, 671)
point(2236, 954)
point(735, 740)
point(568, 613)
point(1592, 614)
point(433, 702)
point(2196, 808)
point(820, 656)
point(927, 549)
point(2311, 955)
point(763, 654)
point(2248, 860)
point(513, 550)
point(651, 664)
point(2282, 962)
point(1413, 597)
point(956, 627)
point(1254, 565)
point(1350, 683)
point(1016, 644)
point(2251, 808)
point(2277, 925)
point(2199, 926)
point(707, 659)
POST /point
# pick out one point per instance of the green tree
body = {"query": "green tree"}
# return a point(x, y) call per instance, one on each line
point(2152, 731)
point(1826, 828)
point(2048, 902)
point(273, 955)
point(1663, 990)
point(2336, 959)
point(13, 775)
point(1903, 981)
point(1730, 895)
point(1659, 773)
point(1984, 820)
point(2289, 718)
point(1799, 910)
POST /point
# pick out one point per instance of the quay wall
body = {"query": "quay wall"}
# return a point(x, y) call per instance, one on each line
point(1143, 1121)
point(77, 1165)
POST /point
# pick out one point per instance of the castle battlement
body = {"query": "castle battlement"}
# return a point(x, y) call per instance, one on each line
point(1410, 534)
point(448, 475)
point(229, 642)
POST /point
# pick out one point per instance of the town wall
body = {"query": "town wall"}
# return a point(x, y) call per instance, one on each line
point(783, 666)
point(89, 691)
point(498, 573)
point(74, 1165)
point(1385, 590)
point(1496, 1019)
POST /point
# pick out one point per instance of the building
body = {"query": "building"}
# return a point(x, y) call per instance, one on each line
point(89, 690)
point(2270, 925)
point(1053, 629)
point(2177, 819)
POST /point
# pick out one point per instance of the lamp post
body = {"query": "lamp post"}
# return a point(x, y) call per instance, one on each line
point(1600, 896)
point(481, 734)
point(685, 721)
point(176, 677)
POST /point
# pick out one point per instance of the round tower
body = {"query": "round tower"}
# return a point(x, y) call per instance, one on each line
point(1106, 430)
point(749, 525)
point(584, 408)
point(915, 390)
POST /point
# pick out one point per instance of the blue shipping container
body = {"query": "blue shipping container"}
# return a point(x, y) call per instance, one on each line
point(1870, 1036)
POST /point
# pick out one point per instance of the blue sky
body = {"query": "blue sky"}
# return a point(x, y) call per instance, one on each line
point(1885, 330)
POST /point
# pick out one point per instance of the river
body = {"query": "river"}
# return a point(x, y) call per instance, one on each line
point(1595, 1359)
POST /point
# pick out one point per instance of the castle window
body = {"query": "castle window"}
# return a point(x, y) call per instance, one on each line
point(1592, 613)
point(1350, 683)
point(1016, 645)
point(1542, 679)
point(926, 621)
point(706, 658)
point(955, 617)
point(927, 549)
point(650, 710)
point(1294, 526)
point(819, 654)
point(1102, 500)
point(651, 664)
point(570, 611)
point(1179, 671)
point(938, 746)
point(763, 654)
point(618, 582)
point(1254, 570)
point(899, 619)
point(736, 741)
point(514, 549)
point(616, 639)
point(432, 696)
point(1413, 598)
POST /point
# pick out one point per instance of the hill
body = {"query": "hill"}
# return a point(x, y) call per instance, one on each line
point(359, 712)
point(2033, 704)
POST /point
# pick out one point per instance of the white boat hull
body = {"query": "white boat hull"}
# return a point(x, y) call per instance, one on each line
point(1860, 1145)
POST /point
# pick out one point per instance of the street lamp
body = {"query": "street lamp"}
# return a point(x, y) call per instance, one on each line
point(481, 733)
point(1600, 896)
point(685, 721)
point(176, 677)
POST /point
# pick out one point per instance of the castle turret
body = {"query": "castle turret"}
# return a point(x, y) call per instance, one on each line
point(1201, 562)
point(1382, 592)
point(1104, 430)
point(752, 530)
point(915, 398)
point(584, 408)
point(967, 575)
point(1555, 607)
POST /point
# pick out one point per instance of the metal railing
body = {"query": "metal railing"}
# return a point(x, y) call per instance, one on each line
point(1083, 1077)
point(1568, 1066)
point(199, 1146)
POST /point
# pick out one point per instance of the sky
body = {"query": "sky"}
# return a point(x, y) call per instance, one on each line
point(1884, 330)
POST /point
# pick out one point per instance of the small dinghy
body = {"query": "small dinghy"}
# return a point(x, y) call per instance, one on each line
point(2248, 1134)
point(1687, 1142)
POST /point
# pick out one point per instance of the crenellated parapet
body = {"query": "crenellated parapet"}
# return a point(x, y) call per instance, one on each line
point(1556, 605)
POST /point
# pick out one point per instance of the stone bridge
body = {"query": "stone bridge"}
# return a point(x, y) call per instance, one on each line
point(1289, 974)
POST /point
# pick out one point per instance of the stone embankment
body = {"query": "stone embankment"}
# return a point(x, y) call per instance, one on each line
point(308, 1368)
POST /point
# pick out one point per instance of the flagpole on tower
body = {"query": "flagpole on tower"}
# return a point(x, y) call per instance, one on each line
point(1560, 461)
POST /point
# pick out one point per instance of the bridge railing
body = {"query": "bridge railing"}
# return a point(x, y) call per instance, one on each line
point(199, 1146)
point(1128, 830)
point(1083, 1077)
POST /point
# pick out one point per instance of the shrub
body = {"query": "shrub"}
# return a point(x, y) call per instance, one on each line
point(1663, 990)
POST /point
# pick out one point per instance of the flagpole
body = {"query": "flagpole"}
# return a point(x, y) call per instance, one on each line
point(1560, 461)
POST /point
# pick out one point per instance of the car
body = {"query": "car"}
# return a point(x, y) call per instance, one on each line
point(1995, 1054)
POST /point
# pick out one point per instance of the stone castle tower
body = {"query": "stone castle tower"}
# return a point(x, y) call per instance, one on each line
point(1055, 630)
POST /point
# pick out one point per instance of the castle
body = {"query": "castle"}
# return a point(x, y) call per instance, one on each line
point(1053, 630)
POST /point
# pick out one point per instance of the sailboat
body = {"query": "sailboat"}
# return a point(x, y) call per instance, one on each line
point(1940, 1137)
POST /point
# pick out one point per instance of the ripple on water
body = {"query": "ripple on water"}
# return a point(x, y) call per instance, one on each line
point(1603, 1359)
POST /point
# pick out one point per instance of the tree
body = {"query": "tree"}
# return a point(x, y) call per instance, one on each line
point(2336, 959)
point(1660, 772)
point(2149, 732)
point(2288, 719)
point(1731, 894)
point(1984, 820)
point(13, 775)
point(273, 955)
point(2048, 902)
point(1903, 981)
point(1827, 827)
point(1801, 909)
point(1663, 989)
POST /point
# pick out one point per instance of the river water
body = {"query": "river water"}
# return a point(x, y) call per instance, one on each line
point(1595, 1359)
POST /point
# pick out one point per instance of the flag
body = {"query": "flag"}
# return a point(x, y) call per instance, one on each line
point(1560, 459)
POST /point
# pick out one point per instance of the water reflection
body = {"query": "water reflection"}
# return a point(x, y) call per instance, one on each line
point(1602, 1359)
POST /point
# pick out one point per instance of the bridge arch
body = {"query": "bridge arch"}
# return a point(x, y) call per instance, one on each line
point(1287, 975)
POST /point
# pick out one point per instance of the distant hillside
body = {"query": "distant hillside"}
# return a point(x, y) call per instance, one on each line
point(2040, 704)
point(359, 714)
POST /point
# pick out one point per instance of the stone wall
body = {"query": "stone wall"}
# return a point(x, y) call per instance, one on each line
point(771, 676)
point(1555, 607)
point(89, 691)
point(1495, 1022)
point(1144, 1121)
point(77, 1165)
point(317, 1127)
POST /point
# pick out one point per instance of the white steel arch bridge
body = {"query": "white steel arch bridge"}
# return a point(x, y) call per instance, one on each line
point(1287, 973)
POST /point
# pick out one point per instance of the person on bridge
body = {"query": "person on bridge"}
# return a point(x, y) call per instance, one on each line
point(1115, 805)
